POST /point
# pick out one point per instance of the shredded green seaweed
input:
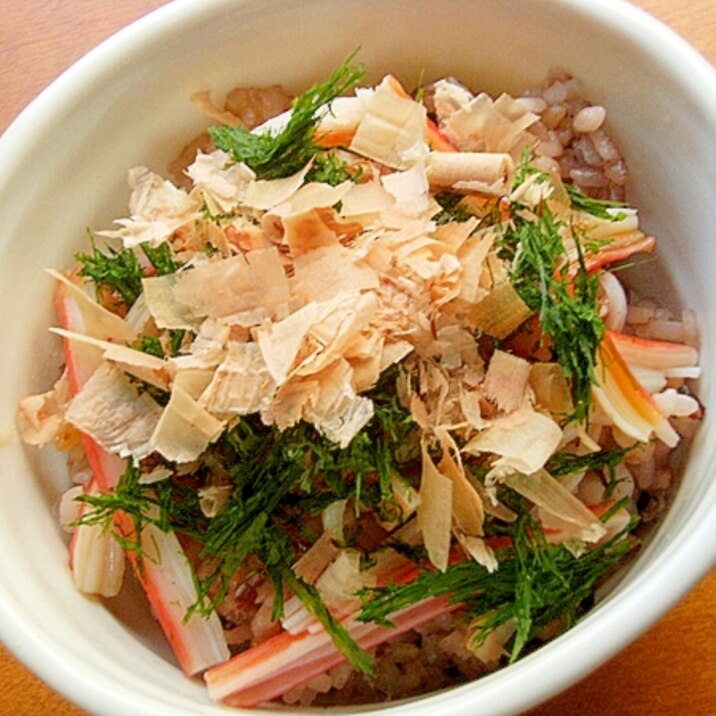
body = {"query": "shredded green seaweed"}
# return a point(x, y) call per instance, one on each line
point(274, 155)
point(535, 584)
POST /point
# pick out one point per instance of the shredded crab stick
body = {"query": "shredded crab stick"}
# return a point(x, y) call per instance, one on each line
point(621, 248)
point(659, 355)
point(304, 649)
point(198, 643)
point(436, 139)
point(286, 661)
point(624, 400)
point(394, 570)
point(96, 558)
point(335, 137)
point(165, 574)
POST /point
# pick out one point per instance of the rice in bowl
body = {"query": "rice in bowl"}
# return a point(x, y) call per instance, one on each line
point(412, 264)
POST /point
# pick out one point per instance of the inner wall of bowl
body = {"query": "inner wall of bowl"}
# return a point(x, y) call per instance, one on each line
point(128, 104)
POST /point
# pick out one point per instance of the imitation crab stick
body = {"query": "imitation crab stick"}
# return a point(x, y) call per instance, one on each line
point(436, 139)
point(660, 355)
point(621, 248)
point(625, 401)
point(96, 558)
point(286, 661)
point(164, 573)
point(333, 138)
point(394, 570)
point(305, 650)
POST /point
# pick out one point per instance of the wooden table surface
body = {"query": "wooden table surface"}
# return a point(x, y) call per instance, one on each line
point(670, 670)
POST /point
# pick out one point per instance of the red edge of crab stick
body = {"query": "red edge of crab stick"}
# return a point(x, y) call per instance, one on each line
point(639, 400)
point(652, 353)
point(608, 256)
point(288, 660)
point(436, 139)
point(269, 670)
point(197, 643)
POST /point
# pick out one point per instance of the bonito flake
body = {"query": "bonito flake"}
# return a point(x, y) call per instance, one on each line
point(323, 273)
point(315, 335)
point(314, 195)
point(143, 366)
point(184, 429)
point(338, 412)
point(221, 185)
point(524, 440)
point(392, 129)
point(486, 125)
point(164, 307)
point(240, 283)
point(111, 410)
point(241, 384)
point(209, 347)
point(158, 209)
point(506, 380)
point(268, 193)
point(435, 511)
point(42, 416)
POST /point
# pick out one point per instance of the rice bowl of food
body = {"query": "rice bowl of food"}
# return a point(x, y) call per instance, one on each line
point(363, 373)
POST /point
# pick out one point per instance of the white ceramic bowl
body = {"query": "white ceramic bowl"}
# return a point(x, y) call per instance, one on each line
point(64, 164)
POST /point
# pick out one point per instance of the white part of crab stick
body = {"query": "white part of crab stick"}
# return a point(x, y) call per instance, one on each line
point(165, 574)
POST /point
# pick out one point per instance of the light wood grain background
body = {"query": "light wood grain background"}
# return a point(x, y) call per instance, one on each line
point(670, 670)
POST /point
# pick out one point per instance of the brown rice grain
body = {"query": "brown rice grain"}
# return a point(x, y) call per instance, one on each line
point(590, 119)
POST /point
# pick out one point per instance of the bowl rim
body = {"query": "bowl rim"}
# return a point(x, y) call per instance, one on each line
point(672, 573)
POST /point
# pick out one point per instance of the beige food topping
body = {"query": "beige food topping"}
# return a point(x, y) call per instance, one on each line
point(301, 294)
